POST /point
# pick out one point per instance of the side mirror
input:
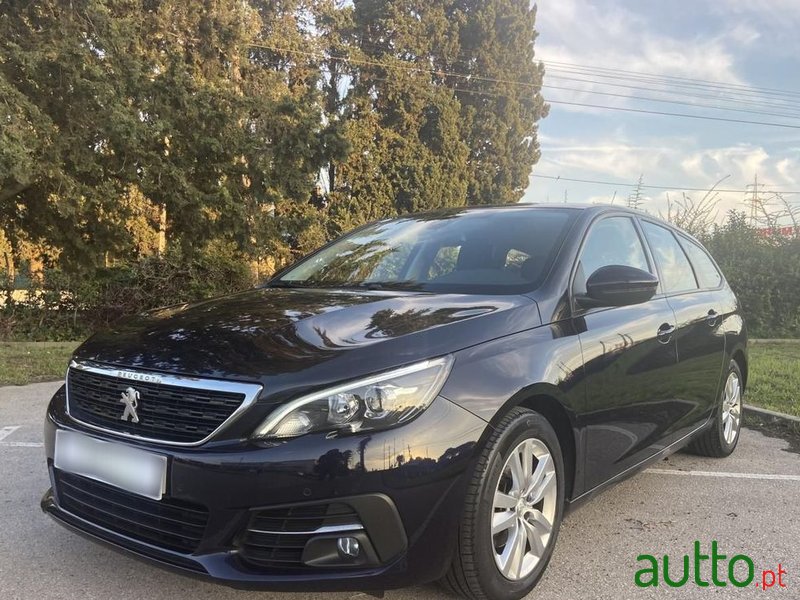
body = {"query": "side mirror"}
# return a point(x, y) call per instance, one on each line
point(618, 285)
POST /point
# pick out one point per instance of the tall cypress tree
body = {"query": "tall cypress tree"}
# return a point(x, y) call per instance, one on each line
point(403, 124)
point(501, 100)
point(427, 81)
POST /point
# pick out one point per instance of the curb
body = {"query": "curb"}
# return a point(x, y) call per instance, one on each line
point(772, 415)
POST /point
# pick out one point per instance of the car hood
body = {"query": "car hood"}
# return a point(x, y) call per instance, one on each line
point(303, 338)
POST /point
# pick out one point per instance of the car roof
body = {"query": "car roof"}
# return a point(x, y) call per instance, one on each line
point(583, 207)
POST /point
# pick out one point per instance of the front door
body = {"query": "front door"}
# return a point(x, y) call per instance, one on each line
point(630, 358)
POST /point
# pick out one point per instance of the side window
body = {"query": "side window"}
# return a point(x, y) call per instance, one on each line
point(675, 267)
point(704, 267)
point(444, 262)
point(611, 241)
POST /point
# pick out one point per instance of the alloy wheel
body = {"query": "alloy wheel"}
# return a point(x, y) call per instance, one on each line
point(524, 509)
point(731, 408)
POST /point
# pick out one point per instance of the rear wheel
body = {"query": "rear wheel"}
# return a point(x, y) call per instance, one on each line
point(512, 512)
point(721, 439)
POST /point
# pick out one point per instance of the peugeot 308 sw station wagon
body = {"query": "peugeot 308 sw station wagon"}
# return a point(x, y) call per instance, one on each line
point(420, 400)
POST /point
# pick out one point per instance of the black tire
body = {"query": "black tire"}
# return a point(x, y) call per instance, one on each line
point(473, 573)
point(711, 442)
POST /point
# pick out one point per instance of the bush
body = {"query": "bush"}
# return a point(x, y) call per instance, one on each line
point(765, 274)
point(60, 306)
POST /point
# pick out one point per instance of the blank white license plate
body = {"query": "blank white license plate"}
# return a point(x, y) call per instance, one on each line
point(124, 467)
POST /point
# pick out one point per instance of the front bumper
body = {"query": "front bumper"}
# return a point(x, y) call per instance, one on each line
point(403, 489)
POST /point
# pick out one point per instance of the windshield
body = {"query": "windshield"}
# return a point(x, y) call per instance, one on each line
point(474, 252)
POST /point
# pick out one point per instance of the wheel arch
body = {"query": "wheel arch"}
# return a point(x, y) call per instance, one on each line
point(740, 357)
point(543, 400)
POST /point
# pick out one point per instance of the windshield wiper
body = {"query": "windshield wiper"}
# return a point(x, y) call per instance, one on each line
point(389, 285)
point(367, 285)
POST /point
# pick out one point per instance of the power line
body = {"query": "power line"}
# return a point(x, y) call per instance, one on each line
point(704, 82)
point(781, 95)
point(469, 77)
point(441, 73)
point(586, 70)
point(682, 94)
point(628, 74)
point(671, 114)
point(681, 102)
point(658, 187)
point(684, 89)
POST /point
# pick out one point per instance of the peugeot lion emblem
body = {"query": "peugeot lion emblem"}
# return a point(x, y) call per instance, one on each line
point(130, 398)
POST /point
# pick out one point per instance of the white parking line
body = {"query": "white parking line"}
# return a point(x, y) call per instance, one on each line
point(7, 431)
point(766, 476)
point(21, 445)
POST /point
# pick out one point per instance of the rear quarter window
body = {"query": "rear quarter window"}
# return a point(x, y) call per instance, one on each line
point(707, 274)
point(676, 270)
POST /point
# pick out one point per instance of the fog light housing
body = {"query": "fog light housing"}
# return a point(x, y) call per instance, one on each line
point(348, 547)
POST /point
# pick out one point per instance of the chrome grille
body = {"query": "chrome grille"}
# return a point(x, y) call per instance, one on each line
point(171, 410)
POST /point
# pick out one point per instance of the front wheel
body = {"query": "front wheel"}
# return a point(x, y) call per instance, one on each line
point(721, 438)
point(512, 511)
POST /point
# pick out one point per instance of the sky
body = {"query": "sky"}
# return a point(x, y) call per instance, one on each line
point(739, 44)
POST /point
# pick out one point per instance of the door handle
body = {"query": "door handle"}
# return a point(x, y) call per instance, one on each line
point(664, 334)
point(711, 318)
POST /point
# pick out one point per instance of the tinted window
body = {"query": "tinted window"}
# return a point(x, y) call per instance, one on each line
point(506, 250)
point(613, 241)
point(704, 268)
point(676, 271)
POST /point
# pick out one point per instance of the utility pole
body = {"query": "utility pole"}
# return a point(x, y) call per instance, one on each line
point(753, 200)
point(635, 197)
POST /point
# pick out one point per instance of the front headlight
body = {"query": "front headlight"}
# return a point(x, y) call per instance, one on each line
point(377, 402)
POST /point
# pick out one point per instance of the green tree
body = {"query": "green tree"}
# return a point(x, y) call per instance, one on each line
point(500, 95)
point(211, 119)
point(401, 121)
point(54, 155)
point(170, 97)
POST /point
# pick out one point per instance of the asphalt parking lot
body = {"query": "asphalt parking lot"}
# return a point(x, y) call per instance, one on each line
point(747, 503)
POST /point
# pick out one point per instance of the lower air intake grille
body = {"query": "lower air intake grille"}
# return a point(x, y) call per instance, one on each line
point(168, 523)
point(275, 538)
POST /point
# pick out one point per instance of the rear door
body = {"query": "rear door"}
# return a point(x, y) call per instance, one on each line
point(629, 355)
point(693, 290)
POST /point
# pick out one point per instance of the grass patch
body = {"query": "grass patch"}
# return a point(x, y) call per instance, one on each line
point(29, 362)
point(774, 380)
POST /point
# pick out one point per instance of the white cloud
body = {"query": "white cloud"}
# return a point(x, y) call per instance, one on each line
point(787, 168)
point(744, 33)
point(607, 35)
point(776, 21)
